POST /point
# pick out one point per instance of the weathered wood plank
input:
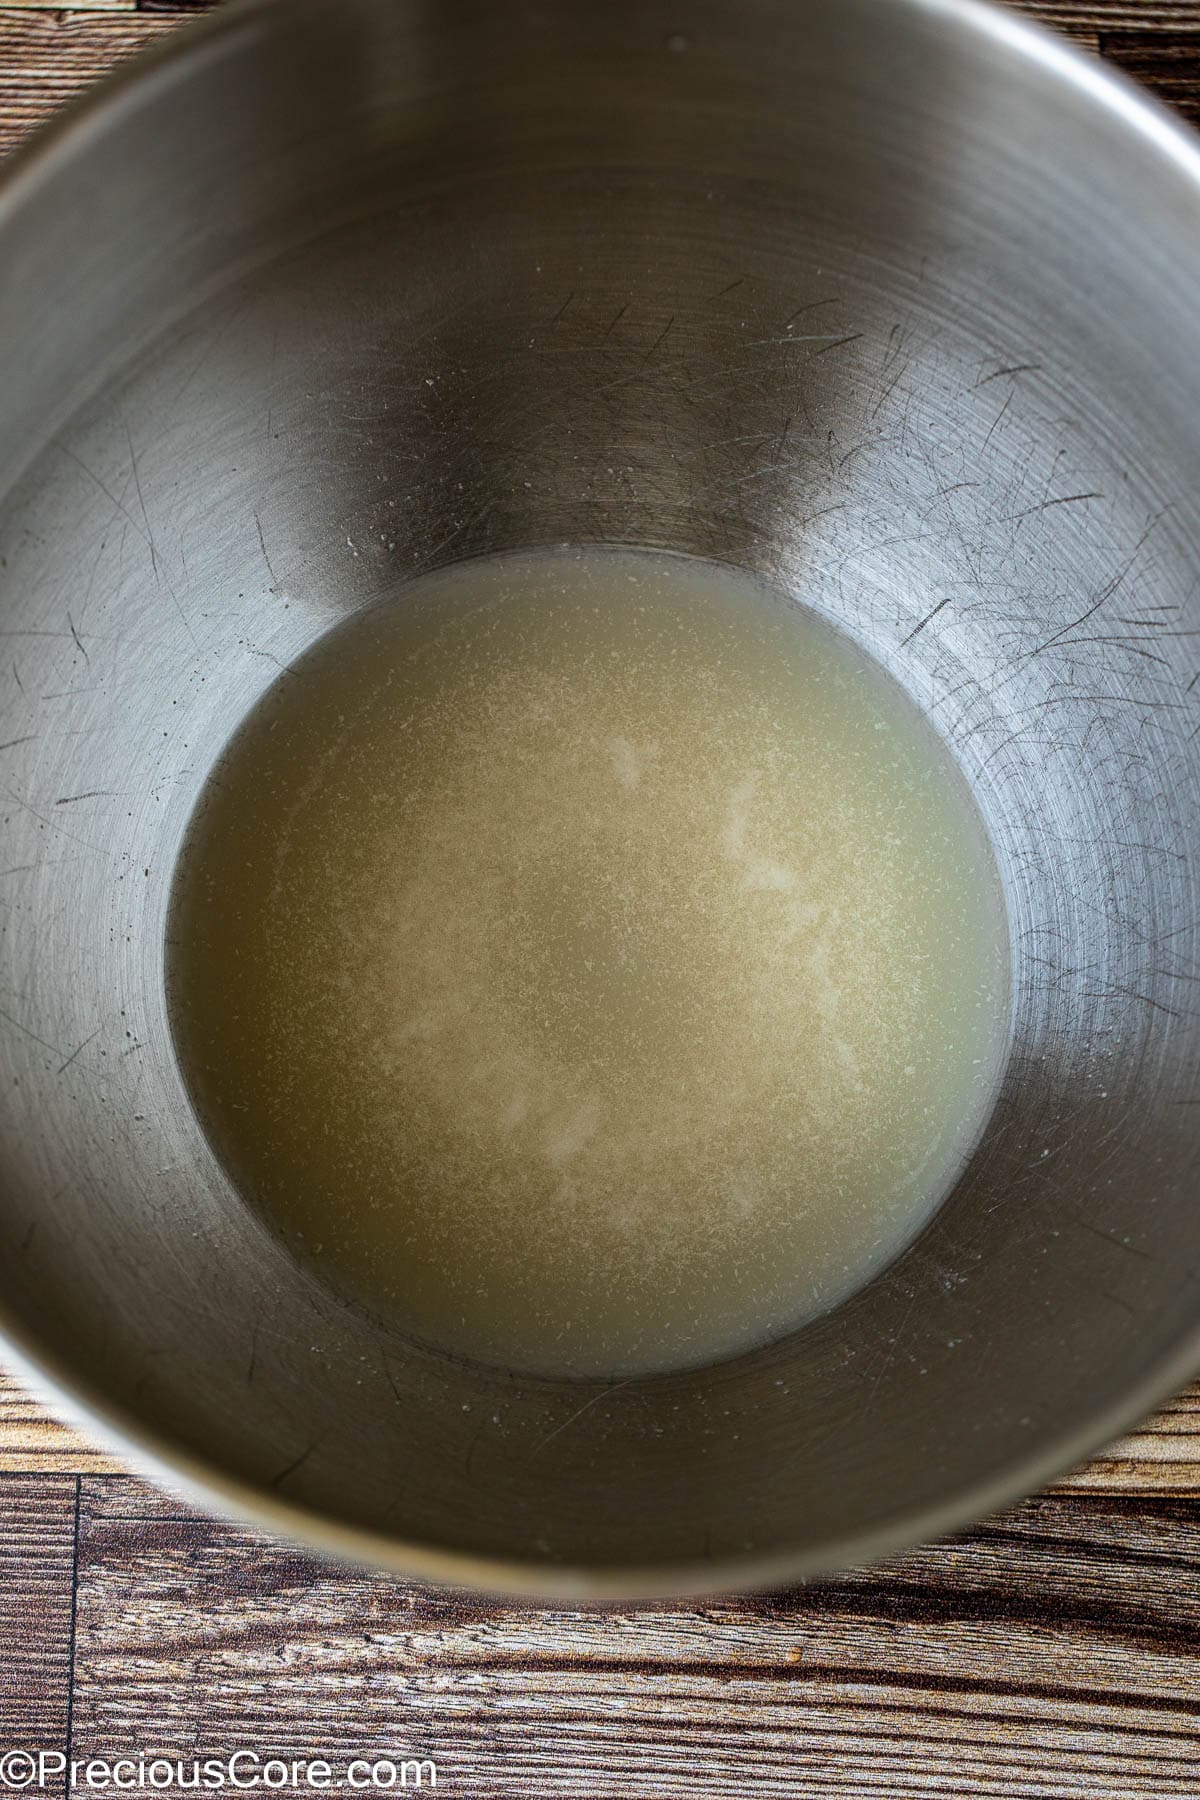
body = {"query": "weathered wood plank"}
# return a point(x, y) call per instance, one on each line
point(46, 58)
point(37, 1557)
point(1099, 16)
point(73, 5)
point(1162, 1456)
point(1051, 1653)
point(33, 1440)
point(1168, 65)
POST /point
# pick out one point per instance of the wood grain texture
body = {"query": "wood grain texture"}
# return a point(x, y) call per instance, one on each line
point(46, 58)
point(1099, 16)
point(1161, 1457)
point(1169, 65)
point(73, 5)
point(1049, 1653)
point(37, 1570)
point(32, 1440)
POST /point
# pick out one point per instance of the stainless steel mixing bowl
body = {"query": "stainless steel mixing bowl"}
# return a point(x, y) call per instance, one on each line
point(891, 300)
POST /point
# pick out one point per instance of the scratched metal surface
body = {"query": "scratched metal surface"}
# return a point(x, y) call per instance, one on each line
point(940, 411)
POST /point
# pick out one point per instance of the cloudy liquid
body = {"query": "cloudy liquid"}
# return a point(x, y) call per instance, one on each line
point(590, 960)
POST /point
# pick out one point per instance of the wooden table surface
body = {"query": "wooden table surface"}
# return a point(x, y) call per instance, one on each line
point(1053, 1651)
